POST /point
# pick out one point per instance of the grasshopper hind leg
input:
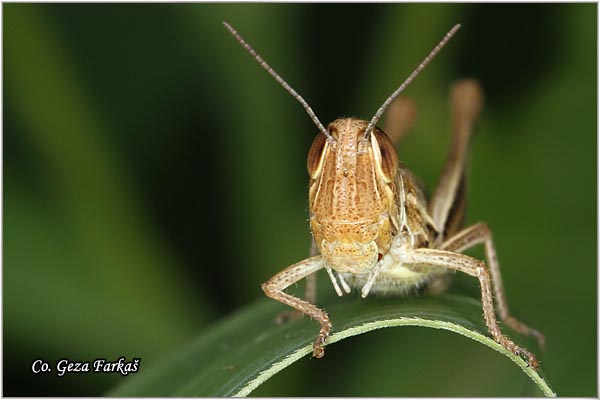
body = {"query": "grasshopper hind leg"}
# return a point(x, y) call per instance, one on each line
point(480, 234)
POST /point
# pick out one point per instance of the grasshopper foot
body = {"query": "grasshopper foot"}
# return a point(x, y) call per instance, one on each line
point(319, 346)
point(532, 362)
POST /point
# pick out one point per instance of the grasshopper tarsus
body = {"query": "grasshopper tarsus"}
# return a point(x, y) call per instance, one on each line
point(532, 362)
point(319, 345)
point(519, 351)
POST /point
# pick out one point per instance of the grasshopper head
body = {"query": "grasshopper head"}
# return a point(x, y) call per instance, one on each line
point(352, 194)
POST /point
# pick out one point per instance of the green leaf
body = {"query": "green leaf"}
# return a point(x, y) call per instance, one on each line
point(245, 349)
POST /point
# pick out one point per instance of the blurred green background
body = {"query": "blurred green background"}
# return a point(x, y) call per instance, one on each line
point(154, 176)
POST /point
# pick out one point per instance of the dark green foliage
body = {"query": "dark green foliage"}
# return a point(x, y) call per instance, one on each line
point(154, 176)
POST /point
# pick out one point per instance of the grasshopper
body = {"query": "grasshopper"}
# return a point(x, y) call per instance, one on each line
point(371, 224)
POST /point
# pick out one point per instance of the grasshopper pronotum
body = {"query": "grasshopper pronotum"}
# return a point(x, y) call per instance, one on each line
point(372, 227)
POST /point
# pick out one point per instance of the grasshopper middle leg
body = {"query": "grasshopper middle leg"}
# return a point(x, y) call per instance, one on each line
point(478, 234)
point(478, 269)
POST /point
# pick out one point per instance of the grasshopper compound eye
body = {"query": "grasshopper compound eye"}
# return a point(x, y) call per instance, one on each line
point(385, 155)
point(316, 156)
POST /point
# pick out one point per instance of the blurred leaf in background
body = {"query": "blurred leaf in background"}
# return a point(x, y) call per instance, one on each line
point(154, 176)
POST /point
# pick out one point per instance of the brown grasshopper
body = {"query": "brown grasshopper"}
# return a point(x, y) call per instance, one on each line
point(372, 227)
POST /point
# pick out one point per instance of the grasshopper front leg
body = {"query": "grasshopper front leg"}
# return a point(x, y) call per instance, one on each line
point(274, 288)
point(310, 293)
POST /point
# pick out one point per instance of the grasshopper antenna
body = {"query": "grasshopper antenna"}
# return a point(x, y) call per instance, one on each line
point(279, 79)
point(408, 80)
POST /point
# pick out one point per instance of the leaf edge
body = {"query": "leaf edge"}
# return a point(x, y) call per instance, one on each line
point(266, 374)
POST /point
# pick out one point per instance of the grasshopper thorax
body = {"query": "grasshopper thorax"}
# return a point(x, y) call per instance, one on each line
point(352, 194)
